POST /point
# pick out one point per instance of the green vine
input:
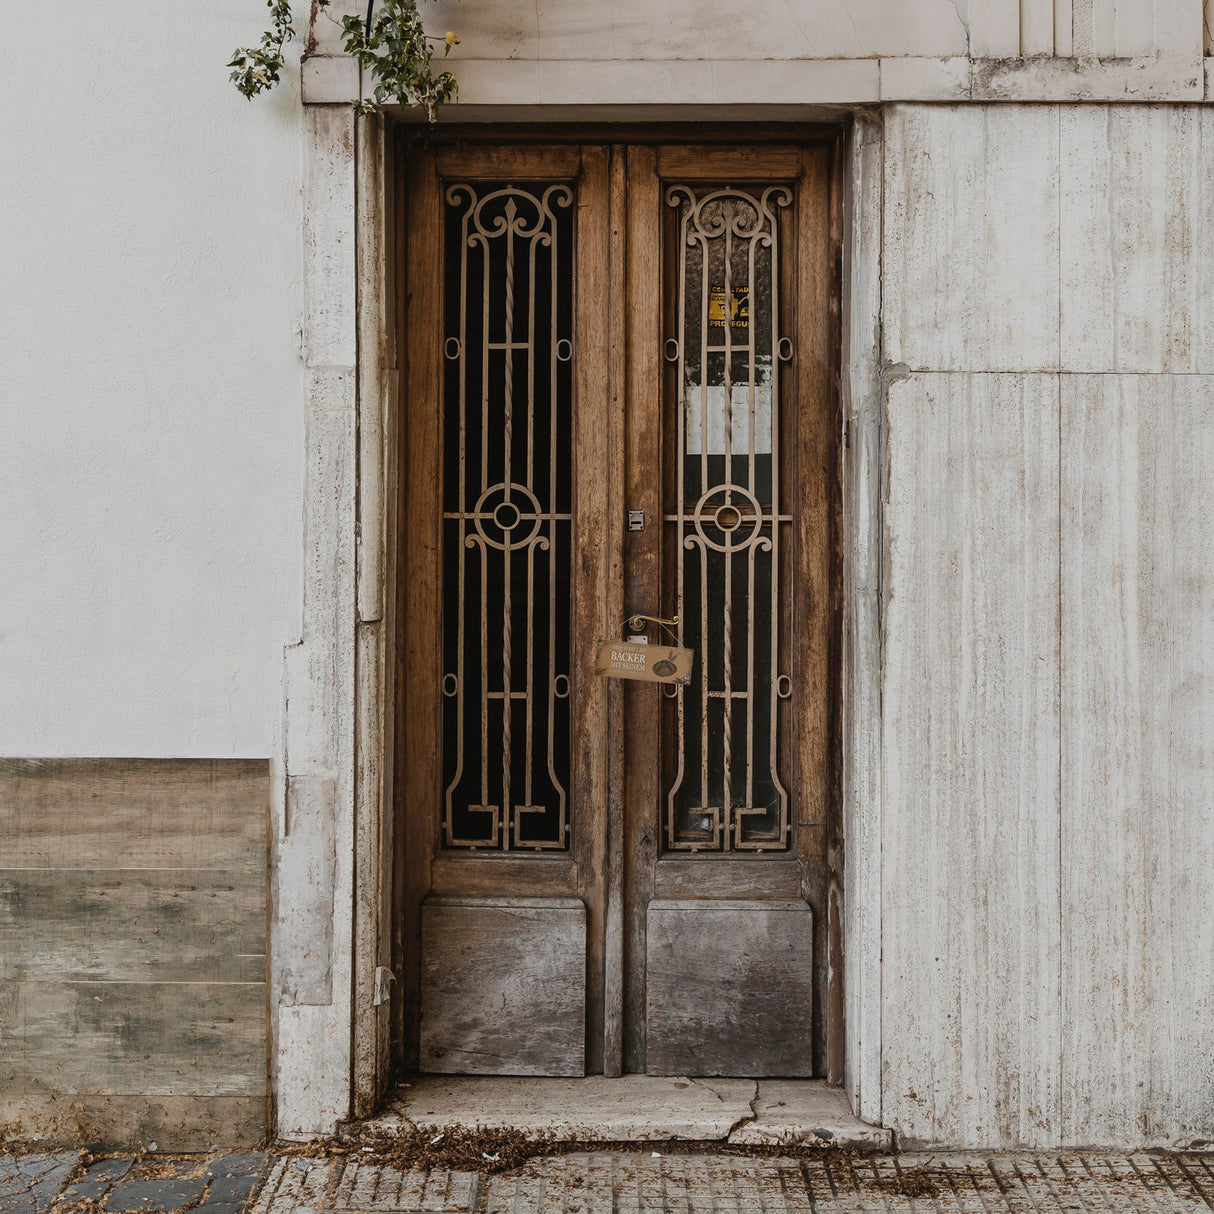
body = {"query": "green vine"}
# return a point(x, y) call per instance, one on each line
point(389, 44)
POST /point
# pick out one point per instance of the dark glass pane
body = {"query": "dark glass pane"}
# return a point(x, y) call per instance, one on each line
point(507, 397)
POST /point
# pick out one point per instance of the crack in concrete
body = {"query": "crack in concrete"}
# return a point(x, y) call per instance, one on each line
point(741, 1121)
point(965, 26)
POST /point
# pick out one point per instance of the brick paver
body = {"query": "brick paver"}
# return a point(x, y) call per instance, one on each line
point(609, 1183)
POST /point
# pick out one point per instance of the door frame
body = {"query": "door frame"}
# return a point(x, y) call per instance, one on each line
point(334, 827)
point(622, 168)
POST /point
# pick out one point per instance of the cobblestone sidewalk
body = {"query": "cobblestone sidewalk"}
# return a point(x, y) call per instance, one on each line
point(615, 1183)
point(62, 1183)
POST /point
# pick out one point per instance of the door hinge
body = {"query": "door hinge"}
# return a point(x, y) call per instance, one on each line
point(384, 978)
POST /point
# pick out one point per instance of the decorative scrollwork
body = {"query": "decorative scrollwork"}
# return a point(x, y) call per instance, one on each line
point(507, 542)
point(725, 793)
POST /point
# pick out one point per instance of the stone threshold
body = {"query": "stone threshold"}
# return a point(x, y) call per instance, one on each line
point(634, 1108)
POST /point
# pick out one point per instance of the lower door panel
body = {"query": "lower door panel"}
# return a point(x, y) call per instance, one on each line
point(504, 986)
point(730, 988)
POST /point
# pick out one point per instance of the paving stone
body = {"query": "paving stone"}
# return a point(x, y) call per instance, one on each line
point(235, 1177)
point(30, 1183)
point(164, 1195)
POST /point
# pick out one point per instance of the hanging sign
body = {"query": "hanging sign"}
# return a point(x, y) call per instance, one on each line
point(649, 663)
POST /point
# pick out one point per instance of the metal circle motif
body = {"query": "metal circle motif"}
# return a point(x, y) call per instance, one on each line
point(450, 685)
point(508, 516)
point(672, 349)
point(564, 350)
point(727, 518)
point(560, 687)
point(784, 687)
point(452, 347)
point(784, 349)
point(741, 529)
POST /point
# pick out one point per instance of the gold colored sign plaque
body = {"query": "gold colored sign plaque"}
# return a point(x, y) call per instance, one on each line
point(649, 663)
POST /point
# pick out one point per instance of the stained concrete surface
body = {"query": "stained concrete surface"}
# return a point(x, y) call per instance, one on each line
point(635, 1108)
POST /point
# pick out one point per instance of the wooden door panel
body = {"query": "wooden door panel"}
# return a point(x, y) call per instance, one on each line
point(752, 830)
point(508, 556)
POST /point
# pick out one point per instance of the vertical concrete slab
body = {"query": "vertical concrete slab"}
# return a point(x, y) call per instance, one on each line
point(970, 957)
point(1137, 206)
point(971, 238)
point(862, 410)
point(1137, 771)
point(315, 835)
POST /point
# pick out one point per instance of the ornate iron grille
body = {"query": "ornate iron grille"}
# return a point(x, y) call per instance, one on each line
point(507, 516)
point(726, 528)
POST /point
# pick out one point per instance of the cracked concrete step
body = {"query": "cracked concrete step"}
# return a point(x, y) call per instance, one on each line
point(796, 1110)
point(634, 1108)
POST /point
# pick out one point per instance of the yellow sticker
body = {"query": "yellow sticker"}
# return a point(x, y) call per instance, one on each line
point(739, 307)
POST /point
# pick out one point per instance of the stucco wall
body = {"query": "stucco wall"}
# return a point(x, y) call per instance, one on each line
point(151, 428)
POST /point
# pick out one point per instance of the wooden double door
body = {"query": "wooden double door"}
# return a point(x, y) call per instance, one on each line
point(618, 401)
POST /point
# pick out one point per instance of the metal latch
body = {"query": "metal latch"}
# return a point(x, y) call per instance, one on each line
point(636, 520)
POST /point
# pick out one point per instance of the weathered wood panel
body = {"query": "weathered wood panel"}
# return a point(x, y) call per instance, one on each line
point(120, 1123)
point(971, 238)
point(970, 933)
point(127, 984)
point(145, 1038)
point(134, 813)
point(729, 988)
point(778, 880)
point(1137, 758)
point(1137, 213)
point(147, 925)
point(503, 986)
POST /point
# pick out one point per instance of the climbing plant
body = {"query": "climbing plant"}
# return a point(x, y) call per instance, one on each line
point(389, 43)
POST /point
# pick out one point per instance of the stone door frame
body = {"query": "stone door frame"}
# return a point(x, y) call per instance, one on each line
point(332, 851)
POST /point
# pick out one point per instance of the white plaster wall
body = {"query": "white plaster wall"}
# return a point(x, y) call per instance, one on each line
point(151, 387)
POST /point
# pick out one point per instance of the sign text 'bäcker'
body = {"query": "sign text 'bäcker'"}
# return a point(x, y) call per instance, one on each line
point(649, 663)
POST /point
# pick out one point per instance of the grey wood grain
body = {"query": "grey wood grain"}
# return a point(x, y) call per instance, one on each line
point(729, 987)
point(503, 986)
point(134, 925)
point(121, 1123)
point(120, 1038)
point(134, 813)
